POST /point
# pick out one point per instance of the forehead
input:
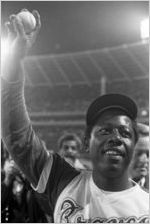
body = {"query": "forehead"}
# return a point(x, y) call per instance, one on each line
point(143, 144)
point(69, 143)
point(114, 117)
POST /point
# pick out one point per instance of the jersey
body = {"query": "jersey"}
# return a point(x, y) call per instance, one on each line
point(81, 201)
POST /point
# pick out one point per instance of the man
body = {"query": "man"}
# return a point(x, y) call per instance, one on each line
point(69, 146)
point(105, 194)
point(140, 164)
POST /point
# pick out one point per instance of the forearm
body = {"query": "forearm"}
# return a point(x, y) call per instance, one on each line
point(14, 114)
point(25, 147)
point(12, 68)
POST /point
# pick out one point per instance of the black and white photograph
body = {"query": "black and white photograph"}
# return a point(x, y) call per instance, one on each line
point(75, 112)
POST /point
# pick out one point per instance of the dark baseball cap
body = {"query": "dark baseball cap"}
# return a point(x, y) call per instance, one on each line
point(108, 101)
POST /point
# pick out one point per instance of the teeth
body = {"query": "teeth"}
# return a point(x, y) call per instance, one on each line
point(111, 153)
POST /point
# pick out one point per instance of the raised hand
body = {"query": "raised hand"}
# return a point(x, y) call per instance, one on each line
point(19, 41)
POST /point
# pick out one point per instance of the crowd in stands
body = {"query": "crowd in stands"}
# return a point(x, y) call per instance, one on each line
point(77, 98)
point(70, 104)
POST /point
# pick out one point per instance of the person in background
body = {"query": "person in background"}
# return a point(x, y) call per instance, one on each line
point(69, 146)
point(19, 203)
point(140, 163)
point(13, 195)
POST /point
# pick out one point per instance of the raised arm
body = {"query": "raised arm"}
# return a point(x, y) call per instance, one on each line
point(27, 150)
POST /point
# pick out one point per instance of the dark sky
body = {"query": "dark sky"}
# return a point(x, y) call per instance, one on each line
point(70, 26)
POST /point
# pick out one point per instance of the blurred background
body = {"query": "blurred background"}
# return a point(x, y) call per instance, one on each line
point(84, 49)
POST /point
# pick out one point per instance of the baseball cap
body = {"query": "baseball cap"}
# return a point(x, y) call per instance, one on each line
point(108, 101)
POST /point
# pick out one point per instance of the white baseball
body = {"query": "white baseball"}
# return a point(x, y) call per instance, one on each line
point(28, 21)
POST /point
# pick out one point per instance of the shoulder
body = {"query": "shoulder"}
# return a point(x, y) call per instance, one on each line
point(143, 192)
point(80, 181)
point(138, 190)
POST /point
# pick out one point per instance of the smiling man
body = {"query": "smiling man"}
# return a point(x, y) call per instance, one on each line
point(112, 137)
point(105, 194)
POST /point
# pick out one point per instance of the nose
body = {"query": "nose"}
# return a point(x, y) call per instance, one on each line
point(143, 158)
point(115, 139)
point(70, 149)
point(114, 142)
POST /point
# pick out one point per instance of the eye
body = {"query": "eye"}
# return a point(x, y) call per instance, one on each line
point(65, 147)
point(104, 131)
point(73, 148)
point(125, 132)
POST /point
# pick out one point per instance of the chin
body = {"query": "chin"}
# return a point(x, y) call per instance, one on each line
point(143, 174)
point(113, 171)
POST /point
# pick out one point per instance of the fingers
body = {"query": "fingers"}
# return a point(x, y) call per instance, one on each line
point(33, 34)
point(24, 10)
point(38, 20)
point(18, 26)
point(11, 32)
point(14, 27)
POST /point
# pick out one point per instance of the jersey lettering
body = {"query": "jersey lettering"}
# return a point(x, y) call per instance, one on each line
point(69, 209)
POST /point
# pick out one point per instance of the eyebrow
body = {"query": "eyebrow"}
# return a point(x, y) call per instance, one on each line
point(110, 125)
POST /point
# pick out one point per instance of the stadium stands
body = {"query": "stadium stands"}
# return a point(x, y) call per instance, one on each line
point(59, 88)
point(125, 62)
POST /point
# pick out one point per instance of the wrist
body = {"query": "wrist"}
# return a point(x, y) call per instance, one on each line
point(12, 70)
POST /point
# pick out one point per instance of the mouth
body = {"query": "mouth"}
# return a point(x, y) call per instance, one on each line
point(114, 153)
point(143, 169)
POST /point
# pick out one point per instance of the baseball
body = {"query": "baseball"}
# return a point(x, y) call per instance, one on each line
point(28, 21)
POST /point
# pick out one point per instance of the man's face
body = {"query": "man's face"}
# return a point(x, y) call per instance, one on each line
point(141, 159)
point(69, 149)
point(112, 143)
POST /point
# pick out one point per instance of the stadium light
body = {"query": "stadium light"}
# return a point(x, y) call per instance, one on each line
point(145, 28)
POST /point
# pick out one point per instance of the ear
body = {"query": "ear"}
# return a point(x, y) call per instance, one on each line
point(86, 144)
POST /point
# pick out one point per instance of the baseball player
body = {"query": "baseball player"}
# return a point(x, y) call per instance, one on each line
point(105, 194)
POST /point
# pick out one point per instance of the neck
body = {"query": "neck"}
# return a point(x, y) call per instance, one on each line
point(112, 184)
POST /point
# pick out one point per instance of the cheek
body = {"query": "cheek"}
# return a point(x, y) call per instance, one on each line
point(130, 145)
point(94, 146)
